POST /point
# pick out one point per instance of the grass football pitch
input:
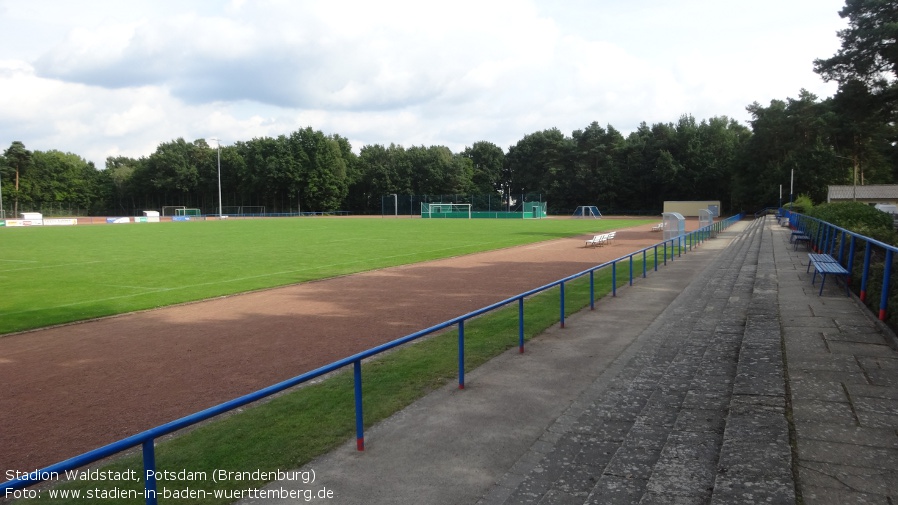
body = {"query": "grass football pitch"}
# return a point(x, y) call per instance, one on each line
point(54, 275)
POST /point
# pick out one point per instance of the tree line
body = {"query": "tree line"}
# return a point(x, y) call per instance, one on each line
point(844, 139)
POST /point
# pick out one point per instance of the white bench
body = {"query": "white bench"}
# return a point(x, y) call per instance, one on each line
point(601, 239)
point(597, 240)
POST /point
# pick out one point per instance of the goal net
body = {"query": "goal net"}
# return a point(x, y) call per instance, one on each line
point(172, 210)
point(446, 210)
point(183, 211)
point(587, 211)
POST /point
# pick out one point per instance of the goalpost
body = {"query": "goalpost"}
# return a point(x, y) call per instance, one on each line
point(252, 210)
point(446, 210)
point(172, 210)
point(587, 211)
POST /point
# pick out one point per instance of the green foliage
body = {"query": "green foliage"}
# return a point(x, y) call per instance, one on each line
point(595, 174)
point(866, 68)
point(534, 161)
point(801, 204)
point(19, 159)
point(869, 43)
point(859, 218)
point(689, 160)
point(792, 142)
point(486, 160)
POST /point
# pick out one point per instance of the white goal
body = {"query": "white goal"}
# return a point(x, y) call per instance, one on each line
point(587, 211)
point(172, 210)
point(184, 211)
point(446, 210)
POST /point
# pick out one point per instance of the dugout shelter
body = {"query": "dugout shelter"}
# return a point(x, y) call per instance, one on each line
point(674, 225)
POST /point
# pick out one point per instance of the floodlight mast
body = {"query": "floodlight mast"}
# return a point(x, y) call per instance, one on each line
point(218, 142)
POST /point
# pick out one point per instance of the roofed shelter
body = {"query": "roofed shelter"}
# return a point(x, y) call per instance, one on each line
point(870, 194)
point(674, 225)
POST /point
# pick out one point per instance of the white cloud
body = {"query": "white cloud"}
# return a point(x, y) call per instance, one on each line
point(102, 78)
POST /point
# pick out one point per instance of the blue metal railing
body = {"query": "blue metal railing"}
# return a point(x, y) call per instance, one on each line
point(830, 239)
point(146, 439)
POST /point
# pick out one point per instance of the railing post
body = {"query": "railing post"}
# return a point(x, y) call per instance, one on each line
point(886, 278)
point(631, 269)
point(656, 257)
point(865, 275)
point(592, 290)
point(852, 244)
point(821, 238)
point(561, 303)
point(149, 472)
point(359, 417)
point(644, 266)
point(842, 246)
point(461, 354)
point(521, 324)
point(665, 252)
point(614, 278)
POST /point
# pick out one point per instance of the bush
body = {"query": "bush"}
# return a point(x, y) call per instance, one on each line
point(859, 218)
point(802, 204)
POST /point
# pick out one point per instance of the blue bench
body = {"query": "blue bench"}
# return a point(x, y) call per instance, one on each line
point(800, 238)
point(826, 264)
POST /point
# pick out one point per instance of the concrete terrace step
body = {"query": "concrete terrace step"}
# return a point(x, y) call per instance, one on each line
point(755, 463)
point(654, 434)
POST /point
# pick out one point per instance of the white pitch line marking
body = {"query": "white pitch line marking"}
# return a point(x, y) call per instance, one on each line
point(61, 265)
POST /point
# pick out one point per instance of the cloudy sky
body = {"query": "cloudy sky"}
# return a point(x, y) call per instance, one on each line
point(107, 78)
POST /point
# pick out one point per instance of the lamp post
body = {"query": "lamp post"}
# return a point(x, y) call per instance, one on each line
point(218, 142)
point(2, 212)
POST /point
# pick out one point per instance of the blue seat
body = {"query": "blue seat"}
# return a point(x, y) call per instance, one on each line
point(825, 265)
